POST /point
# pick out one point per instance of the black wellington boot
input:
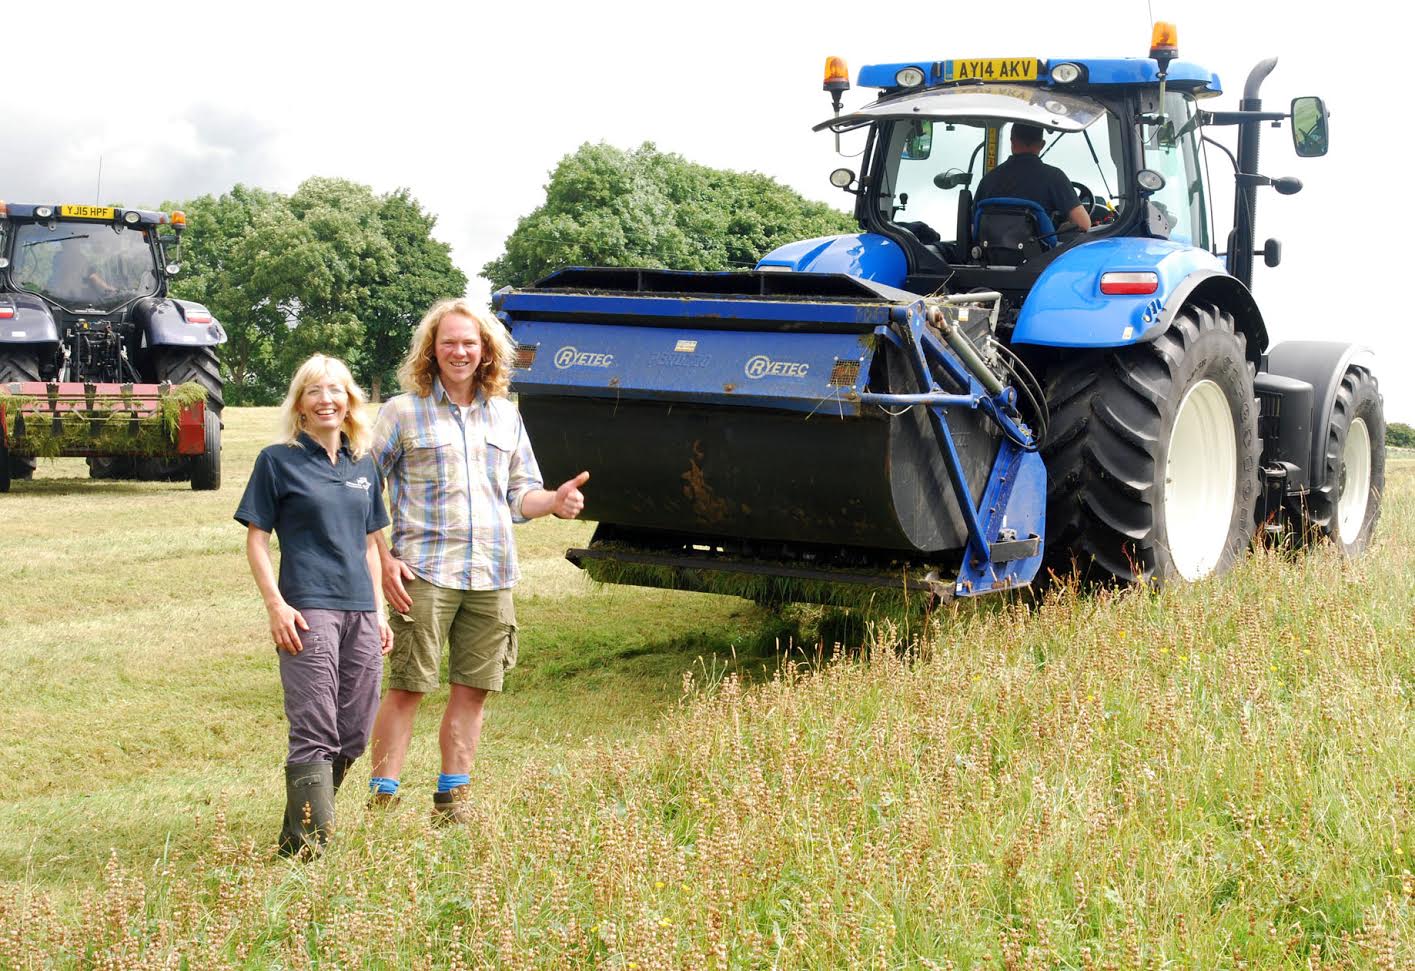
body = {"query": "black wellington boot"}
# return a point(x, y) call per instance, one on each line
point(341, 768)
point(309, 809)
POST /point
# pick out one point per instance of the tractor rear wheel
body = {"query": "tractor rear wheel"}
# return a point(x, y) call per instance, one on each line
point(206, 467)
point(18, 364)
point(180, 365)
point(1152, 456)
point(1346, 510)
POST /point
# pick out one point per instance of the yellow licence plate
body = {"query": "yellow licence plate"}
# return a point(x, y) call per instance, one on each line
point(86, 212)
point(991, 69)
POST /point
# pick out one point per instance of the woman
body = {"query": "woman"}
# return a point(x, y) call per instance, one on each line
point(319, 491)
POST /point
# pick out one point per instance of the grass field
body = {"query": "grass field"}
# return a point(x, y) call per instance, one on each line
point(1218, 776)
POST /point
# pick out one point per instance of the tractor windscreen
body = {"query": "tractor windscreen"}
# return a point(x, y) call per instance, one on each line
point(928, 162)
point(83, 266)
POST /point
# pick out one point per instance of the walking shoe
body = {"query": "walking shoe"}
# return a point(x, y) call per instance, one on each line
point(452, 808)
point(384, 800)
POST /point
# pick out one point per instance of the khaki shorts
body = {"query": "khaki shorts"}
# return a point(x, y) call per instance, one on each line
point(478, 627)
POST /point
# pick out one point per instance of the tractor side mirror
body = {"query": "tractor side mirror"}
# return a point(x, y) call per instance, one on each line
point(1272, 252)
point(953, 179)
point(918, 144)
point(1309, 127)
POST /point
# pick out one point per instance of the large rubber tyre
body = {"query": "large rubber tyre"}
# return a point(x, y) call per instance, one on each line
point(206, 468)
point(18, 364)
point(180, 365)
point(1152, 456)
point(1346, 509)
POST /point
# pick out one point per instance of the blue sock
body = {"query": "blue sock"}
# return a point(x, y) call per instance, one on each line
point(379, 784)
point(446, 782)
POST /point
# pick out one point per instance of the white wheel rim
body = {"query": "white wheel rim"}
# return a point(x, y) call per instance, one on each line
point(1355, 482)
point(1200, 480)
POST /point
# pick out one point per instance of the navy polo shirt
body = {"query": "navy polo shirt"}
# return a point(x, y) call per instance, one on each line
point(322, 513)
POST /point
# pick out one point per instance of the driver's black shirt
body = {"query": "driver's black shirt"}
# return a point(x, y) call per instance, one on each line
point(1026, 176)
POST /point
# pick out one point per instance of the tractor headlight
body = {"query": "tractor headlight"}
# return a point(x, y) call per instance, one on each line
point(909, 77)
point(1066, 73)
point(131, 217)
point(43, 212)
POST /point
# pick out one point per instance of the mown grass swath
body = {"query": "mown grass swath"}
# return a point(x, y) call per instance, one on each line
point(114, 430)
point(1217, 775)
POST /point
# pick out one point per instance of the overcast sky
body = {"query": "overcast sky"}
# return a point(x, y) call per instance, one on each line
point(470, 106)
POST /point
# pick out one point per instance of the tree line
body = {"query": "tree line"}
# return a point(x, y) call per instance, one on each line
point(337, 268)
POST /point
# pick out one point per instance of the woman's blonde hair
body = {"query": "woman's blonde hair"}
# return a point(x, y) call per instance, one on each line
point(356, 424)
point(419, 368)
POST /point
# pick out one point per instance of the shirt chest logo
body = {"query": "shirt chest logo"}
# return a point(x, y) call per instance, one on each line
point(361, 482)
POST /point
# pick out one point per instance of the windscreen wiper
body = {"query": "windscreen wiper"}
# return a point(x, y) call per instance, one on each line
point(57, 239)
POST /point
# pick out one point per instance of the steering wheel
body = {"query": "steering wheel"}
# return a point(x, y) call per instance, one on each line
point(1097, 210)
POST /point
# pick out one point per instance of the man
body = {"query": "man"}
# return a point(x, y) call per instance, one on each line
point(460, 470)
point(1025, 176)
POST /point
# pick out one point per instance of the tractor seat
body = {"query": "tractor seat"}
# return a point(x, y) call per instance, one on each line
point(1009, 232)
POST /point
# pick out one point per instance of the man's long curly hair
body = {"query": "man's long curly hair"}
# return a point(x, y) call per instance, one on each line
point(419, 368)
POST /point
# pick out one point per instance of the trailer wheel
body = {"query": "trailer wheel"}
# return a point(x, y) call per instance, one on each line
point(1152, 456)
point(206, 467)
point(17, 364)
point(1346, 510)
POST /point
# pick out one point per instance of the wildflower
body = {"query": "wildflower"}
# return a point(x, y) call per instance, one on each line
point(665, 922)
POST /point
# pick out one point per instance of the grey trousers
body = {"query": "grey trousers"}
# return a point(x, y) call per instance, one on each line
point(331, 686)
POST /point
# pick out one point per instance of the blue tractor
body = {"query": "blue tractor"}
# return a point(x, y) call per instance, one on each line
point(971, 389)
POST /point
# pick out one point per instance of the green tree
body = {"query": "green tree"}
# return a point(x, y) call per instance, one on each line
point(421, 273)
point(608, 207)
point(236, 260)
point(1400, 435)
point(333, 268)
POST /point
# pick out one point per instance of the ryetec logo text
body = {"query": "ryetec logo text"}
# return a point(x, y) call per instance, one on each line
point(568, 357)
point(762, 366)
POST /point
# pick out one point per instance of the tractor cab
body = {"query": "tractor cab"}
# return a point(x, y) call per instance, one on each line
point(1125, 148)
point(83, 267)
point(95, 276)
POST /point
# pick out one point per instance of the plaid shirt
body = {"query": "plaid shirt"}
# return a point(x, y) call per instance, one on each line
point(456, 478)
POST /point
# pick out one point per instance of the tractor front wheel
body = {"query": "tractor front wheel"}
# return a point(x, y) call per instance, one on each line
point(1354, 455)
point(18, 364)
point(1152, 458)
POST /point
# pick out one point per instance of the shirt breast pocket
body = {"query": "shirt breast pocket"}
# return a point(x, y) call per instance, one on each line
point(500, 444)
point(425, 457)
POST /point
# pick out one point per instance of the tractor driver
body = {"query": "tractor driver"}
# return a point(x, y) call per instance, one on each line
point(1025, 176)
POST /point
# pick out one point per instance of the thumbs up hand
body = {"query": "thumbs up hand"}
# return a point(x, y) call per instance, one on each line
point(569, 501)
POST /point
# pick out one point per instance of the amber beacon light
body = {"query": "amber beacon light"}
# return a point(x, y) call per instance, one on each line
point(1164, 43)
point(837, 79)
